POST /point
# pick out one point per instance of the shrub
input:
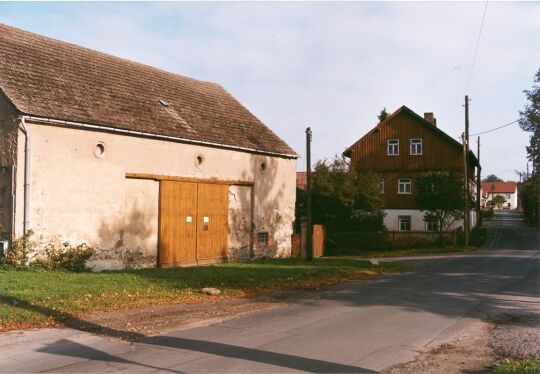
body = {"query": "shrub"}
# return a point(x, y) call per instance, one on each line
point(65, 257)
point(17, 255)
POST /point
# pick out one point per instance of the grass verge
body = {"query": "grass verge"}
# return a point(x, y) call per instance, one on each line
point(526, 365)
point(45, 298)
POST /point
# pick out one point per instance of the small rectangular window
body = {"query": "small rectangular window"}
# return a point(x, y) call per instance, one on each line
point(416, 146)
point(404, 186)
point(393, 147)
point(262, 240)
point(432, 225)
point(404, 223)
point(382, 185)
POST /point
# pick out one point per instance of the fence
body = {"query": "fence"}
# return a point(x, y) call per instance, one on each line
point(356, 241)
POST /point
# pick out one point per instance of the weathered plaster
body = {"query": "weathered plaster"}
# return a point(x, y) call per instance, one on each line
point(78, 197)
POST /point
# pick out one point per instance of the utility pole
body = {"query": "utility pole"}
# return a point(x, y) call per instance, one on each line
point(478, 185)
point(466, 159)
point(309, 228)
point(466, 215)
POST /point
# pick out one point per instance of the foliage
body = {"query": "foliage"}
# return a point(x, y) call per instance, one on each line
point(441, 196)
point(498, 201)
point(492, 178)
point(383, 115)
point(65, 257)
point(344, 198)
point(529, 120)
point(39, 298)
point(526, 365)
point(530, 200)
point(17, 255)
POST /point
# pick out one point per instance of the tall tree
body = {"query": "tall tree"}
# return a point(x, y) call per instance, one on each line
point(529, 121)
point(492, 178)
point(383, 115)
point(440, 195)
point(344, 198)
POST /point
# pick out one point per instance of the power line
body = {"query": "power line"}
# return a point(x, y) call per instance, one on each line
point(477, 44)
point(496, 128)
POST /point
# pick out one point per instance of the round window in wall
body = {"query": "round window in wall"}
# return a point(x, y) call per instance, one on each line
point(199, 160)
point(99, 150)
point(262, 167)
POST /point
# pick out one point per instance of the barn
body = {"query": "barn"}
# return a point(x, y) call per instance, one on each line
point(148, 167)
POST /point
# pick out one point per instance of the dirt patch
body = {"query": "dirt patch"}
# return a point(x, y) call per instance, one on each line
point(517, 336)
point(137, 323)
point(470, 353)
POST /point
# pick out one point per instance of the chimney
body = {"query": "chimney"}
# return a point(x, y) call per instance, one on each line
point(429, 117)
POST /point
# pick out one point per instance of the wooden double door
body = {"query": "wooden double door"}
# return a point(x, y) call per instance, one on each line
point(193, 225)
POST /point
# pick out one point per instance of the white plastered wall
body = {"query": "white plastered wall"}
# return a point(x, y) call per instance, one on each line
point(391, 219)
point(78, 197)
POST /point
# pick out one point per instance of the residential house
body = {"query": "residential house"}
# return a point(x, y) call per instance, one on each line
point(508, 190)
point(400, 149)
point(145, 166)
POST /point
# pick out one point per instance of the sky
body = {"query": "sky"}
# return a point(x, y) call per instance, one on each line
point(330, 66)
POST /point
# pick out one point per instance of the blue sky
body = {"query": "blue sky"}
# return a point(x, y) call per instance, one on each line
point(331, 66)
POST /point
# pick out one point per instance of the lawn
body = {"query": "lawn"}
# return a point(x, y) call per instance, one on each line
point(41, 298)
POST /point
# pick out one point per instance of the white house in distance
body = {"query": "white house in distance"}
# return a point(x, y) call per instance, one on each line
point(148, 167)
point(508, 190)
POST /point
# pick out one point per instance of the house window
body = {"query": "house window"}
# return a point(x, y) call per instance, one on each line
point(382, 185)
point(432, 225)
point(393, 147)
point(404, 186)
point(416, 146)
point(507, 196)
point(404, 223)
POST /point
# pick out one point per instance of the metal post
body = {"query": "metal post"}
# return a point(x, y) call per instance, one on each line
point(309, 228)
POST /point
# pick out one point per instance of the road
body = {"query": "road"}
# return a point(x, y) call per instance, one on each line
point(364, 326)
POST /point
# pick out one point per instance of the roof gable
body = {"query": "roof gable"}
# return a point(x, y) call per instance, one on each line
point(421, 121)
point(498, 187)
point(48, 78)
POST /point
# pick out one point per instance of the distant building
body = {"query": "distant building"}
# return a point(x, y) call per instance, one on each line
point(508, 190)
point(400, 149)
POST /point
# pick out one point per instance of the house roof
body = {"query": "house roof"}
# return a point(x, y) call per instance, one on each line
point(498, 187)
point(421, 120)
point(44, 77)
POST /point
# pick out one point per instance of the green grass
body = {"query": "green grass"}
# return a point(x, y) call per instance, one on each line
point(40, 298)
point(517, 366)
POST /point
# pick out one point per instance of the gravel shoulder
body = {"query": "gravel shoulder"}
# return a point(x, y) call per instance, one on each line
point(512, 336)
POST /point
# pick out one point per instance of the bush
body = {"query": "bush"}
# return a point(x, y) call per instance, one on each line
point(17, 255)
point(65, 258)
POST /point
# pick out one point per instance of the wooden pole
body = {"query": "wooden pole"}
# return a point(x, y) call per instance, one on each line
point(478, 185)
point(309, 228)
point(466, 207)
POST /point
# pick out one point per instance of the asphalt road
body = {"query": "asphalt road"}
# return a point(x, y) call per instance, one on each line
point(362, 327)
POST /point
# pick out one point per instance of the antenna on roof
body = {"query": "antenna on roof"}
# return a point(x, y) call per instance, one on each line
point(163, 102)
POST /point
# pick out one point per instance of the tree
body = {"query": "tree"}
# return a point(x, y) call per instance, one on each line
point(529, 201)
point(492, 178)
point(383, 115)
point(529, 121)
point(343, 198)
point(442, 198)
point(499, 200)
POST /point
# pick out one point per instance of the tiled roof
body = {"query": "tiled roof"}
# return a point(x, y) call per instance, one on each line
point(498, 187)
point(48, 78)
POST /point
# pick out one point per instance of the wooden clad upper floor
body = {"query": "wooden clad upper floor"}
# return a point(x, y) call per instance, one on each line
point(406, 141)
